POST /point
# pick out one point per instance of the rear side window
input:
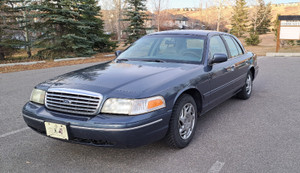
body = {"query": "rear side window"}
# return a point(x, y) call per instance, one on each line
point(238, 46)
point(232, 46)
point(216, 45)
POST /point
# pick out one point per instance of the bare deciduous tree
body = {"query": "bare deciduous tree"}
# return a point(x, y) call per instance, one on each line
point(220, 5)
point(158, 7)
point(113, 15)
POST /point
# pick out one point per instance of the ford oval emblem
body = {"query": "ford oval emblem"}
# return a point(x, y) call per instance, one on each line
point(67, 101)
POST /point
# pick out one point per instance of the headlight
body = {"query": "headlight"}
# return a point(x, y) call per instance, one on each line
point(133, 106)
point(38, 96)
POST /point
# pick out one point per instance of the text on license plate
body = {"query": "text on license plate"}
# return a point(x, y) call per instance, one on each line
point(56, 130)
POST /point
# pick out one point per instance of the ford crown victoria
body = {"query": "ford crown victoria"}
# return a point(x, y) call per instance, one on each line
point(157, 88)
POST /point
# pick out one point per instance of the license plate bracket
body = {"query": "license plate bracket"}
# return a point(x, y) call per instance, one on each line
point(56, 130)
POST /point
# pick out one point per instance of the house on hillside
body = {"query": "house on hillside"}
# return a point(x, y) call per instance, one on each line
point(170, 21)
point(180, 21)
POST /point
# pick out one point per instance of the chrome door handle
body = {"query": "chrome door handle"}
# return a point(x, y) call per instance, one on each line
point(230, 68)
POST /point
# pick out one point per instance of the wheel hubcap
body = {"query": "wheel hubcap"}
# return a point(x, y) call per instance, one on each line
point(186, 121)
point(248, 85)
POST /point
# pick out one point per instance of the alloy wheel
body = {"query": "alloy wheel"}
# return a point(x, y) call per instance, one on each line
point(186, 121)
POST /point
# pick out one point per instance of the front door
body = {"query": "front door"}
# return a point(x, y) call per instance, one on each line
point(221, 74)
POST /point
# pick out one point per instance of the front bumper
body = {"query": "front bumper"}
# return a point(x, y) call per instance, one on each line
point(102, 130)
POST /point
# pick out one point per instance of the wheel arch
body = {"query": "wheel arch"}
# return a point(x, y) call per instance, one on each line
point(195, 93)
point(252, 70)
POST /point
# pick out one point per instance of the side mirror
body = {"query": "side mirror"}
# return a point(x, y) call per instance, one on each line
point(218, 58)
point(118, 52)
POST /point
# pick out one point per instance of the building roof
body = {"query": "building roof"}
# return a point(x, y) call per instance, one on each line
point(179, 17)
point(289, 17)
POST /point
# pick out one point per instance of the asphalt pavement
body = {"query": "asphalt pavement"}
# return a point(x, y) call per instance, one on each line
point(261, 134)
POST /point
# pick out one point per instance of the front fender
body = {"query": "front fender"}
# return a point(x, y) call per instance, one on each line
point(190, 89)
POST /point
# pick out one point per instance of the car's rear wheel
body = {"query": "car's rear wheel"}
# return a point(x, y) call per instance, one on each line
point(246, 91)
point(183, 122)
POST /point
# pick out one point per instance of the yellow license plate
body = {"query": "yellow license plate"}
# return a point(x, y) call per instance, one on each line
point(56, 130)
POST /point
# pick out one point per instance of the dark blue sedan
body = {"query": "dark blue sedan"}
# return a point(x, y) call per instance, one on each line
point(157, 88)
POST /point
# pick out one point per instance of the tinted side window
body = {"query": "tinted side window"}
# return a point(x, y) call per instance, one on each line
point(216, 45)
point(238, 46)
point(231, 45)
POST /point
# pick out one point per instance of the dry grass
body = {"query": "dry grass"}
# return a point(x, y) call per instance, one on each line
point(98, 58)
point(268, 44)
point(23, 53)
point(262, 50)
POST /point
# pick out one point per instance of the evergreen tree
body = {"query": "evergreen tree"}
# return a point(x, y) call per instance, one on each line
point(10, 32)
point(69, 28)
point(25, 21)
point(21, 11)
point(136, 15)
point(3, 35)
point(253, 39)
point(91, 17)
point(239, 19)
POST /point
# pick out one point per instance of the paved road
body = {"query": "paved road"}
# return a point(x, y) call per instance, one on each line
point(261, 134)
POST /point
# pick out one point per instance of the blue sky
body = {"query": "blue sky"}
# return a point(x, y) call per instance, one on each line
point(196, 3)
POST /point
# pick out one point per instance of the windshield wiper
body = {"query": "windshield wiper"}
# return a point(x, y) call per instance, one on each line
point(123, 59)
point(139, 59)
point(153, 60)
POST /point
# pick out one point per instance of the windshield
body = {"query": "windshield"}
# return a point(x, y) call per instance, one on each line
point(166, 48)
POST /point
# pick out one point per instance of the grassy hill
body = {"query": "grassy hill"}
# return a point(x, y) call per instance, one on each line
point(209, 15)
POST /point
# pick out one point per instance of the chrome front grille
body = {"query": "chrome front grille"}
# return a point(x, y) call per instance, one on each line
point(73, 101)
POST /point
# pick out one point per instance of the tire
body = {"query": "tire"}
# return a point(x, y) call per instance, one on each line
point(183, 122)
point(246, 91)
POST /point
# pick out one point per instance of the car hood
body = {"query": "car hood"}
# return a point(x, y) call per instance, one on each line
point(128, 79)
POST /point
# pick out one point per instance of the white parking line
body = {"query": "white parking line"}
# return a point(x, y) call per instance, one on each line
point(14, 132)
point(216, 167)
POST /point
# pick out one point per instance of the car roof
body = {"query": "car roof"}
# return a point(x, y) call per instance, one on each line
point(188, 32)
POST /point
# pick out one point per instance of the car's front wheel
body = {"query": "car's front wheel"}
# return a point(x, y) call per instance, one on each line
point(183, 122)
point(246, 91)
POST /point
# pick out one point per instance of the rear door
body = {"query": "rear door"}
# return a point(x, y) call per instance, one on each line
point(239, 60)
